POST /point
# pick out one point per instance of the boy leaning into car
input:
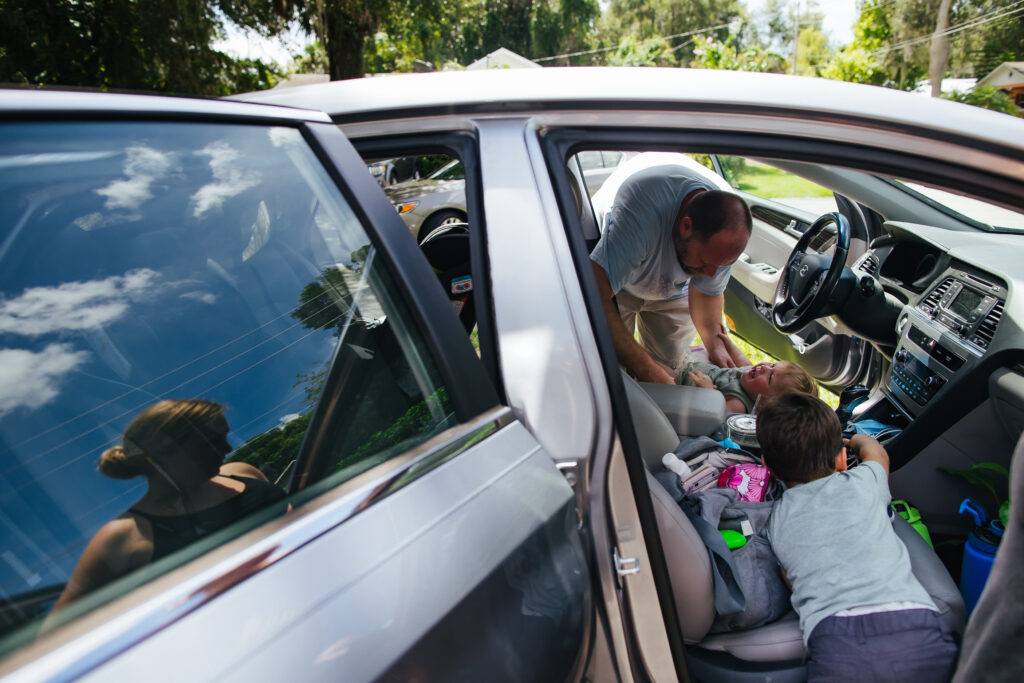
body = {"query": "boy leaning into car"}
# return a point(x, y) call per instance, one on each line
point(863, 614)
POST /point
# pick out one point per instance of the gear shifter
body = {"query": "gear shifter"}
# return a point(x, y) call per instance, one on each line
point(851, 397)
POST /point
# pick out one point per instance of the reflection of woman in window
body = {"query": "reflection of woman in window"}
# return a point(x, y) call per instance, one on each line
point(178, 446)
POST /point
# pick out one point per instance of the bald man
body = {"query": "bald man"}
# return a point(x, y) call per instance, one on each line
point(662, 265)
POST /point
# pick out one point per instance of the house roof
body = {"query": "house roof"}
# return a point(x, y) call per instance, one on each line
point(502, 58)
point(1005, 75)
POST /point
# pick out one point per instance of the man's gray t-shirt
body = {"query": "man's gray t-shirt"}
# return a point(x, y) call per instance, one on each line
point(835, 541)
point(636, 249)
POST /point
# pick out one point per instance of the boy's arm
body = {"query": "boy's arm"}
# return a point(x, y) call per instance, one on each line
point(869, 450)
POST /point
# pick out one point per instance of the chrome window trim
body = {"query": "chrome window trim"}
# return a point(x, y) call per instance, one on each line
point(794, 123)
point(98, 636)
point(28, 104)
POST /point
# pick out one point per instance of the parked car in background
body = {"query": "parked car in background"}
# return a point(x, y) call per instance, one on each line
point(439, 199)
point(450, 512)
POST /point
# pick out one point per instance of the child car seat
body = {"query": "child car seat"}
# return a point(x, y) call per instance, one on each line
point(447, 251)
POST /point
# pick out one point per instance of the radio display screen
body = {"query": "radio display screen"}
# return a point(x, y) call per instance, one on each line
point(965, 303)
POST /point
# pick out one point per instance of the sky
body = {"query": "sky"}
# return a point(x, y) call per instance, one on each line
point(840, 16)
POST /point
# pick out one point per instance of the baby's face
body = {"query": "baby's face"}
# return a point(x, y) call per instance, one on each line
point(760, 380)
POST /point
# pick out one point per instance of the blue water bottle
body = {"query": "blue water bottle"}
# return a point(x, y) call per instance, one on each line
point(979, 553)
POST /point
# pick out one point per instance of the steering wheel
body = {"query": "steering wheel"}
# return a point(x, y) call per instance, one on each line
point(809, 279)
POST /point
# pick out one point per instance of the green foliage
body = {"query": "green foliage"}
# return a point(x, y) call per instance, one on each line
point(633, 52)
point(325, 302)
point(987, 98)
point(416, 420)
point(131, 44)
point(313, 60)
point(709, 53)
point(273, 451)
point(644, 20)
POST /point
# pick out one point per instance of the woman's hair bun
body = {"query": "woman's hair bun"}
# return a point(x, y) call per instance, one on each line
point(116, 464)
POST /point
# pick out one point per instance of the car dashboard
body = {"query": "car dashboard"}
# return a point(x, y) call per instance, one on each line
point(955, 287)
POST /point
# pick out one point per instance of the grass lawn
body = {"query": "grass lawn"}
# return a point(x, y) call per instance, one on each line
point(771, 183)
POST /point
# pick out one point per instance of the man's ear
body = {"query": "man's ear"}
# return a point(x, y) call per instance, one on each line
point(841, 460)
point(685, 227)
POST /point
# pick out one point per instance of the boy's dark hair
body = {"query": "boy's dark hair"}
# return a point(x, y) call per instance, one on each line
point(800, 437)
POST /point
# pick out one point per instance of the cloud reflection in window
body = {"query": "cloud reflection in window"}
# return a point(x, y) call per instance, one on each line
point(30, 380)
point(143, 167)
point(74, 305)
point(231, 177)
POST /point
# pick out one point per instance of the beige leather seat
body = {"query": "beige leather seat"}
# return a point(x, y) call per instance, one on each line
point(776, 649)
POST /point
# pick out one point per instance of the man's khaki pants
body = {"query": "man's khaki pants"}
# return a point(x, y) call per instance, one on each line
point(664, 328)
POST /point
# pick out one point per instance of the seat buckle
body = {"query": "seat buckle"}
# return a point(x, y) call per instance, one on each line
point(624, 566)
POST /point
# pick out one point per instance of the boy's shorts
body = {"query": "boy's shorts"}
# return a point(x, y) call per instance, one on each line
point(905, 645)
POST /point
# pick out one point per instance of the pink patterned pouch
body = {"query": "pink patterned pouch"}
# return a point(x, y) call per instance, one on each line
point(750, 481)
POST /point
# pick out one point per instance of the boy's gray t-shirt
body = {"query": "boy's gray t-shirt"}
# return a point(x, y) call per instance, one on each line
point(835, 541)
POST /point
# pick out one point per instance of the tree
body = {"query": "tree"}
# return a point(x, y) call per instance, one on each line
point(132, 44)
point(709, 53)
point(938, 55)
point(643, 20)
point(987, 98)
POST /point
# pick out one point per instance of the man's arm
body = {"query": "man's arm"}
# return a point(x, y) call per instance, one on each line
point(630, 354)
point(706, 312)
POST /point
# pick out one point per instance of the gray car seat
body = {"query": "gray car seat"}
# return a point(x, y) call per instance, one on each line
point(774, 650)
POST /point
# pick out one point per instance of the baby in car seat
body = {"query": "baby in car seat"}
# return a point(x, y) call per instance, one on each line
point(863, 614)
point(743, 386)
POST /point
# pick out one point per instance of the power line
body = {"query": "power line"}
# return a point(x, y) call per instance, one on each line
point(1001, 14)
point(646, 40)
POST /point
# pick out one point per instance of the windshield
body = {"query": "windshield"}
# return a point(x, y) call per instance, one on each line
point(974, 211)
point(450, 171)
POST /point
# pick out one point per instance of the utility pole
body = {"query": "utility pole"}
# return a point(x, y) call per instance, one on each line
point(796, 35)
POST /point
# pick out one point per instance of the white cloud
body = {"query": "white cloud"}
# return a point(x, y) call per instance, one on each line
point(230, 178)
point(290, 417)
point(143, 166)
point(279, 137)
point(201, 297)
point(74, 305)
point(31, 380)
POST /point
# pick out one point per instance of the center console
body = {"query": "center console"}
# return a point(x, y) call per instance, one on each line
point(942, 336)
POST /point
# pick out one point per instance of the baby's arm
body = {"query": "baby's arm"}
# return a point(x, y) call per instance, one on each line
point(869, 450)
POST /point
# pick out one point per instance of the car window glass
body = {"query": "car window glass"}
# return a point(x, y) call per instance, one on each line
point(974, 209)
point(782, 187)
point(174, 297)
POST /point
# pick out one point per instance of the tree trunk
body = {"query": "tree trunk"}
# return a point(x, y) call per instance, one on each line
point(343, 27)
point(938, 55)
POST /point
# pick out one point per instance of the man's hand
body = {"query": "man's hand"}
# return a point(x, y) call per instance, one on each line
point(701, 380)
point(735, 353)
point(656, 372)
point(719, 355)
point(706, 313)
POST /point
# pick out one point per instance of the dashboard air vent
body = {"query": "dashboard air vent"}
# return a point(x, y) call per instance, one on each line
point(933, 299)
point(987, 329)
point(869, 265)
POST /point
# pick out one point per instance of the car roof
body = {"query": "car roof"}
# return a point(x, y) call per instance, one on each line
point(60, 103)
point(527, 91)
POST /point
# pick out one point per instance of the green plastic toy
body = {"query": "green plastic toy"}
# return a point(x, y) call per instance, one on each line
point(733, 539)
point(913, 517)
